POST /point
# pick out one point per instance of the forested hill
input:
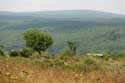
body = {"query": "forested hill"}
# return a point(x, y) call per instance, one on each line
point(64, 14)
point(93, 30)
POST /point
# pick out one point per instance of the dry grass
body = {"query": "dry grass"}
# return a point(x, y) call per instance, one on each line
point(20, 71)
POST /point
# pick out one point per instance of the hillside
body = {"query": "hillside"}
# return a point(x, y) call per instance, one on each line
point(93, 30)
point(78, 69)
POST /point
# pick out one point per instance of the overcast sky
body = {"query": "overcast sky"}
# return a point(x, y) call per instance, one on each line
point(117, 6)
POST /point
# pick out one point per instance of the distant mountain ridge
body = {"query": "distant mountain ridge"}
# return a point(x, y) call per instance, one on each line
point(67, 13)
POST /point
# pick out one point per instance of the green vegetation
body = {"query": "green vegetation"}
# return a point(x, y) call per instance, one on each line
point(72, 47)
point(97, 38)
point(26, 52)
point(35, 58)
point(37, 40)
point(117, 54)
point(88, 61)
point(14, 53)
point(94, 31)
point(1, 52)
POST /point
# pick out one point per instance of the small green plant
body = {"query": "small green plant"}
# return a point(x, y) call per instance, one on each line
point(106, 56)
point(72, 47)
point(66, 52)
point(35, 55)
point(89, 64)
point(88, 61)
point(26, 52)
point(14, 53)
point(1, 52)
point(45, 54)
point(58, 62)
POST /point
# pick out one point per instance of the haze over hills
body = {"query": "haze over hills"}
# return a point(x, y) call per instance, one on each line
point(93, 30)
point(62, 14)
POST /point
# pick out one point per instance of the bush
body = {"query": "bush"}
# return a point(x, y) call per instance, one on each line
point(26, 52)
point(58, 62)
point(42, 55)
point(72, 47)
point(66, 53)
point(35, 55)
point(46, 54)
point(14, 53)
point(106, 57)
point(88, 61)
point(1, 52)
point(89, 64)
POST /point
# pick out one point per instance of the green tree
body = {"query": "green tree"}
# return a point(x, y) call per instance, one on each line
point(37, 40)
point(72, 47)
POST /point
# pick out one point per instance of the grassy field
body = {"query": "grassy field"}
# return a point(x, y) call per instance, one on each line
point(76, 69)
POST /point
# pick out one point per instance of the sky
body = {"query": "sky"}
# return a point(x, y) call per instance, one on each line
point(115, 6)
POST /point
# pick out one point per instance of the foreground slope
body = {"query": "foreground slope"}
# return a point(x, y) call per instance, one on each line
point(21, 70)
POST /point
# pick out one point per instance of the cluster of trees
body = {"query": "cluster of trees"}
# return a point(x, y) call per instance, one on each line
point(38, 41)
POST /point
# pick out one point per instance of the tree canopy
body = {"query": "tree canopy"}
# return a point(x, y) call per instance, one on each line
point(38, 40)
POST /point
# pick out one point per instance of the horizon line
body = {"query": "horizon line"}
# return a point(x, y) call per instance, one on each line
point(62, 10)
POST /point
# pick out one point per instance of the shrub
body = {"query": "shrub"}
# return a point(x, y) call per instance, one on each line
point(38, 40)
point(42, 55)
point(58, 62)
point(35, 55)
point(26, 52)
point(89, 64)
point(1, 52)
point(64, 54)
point(106, 56)
point(14, 53)
point(46, 54)
point(88, 61)
point(72, 47)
